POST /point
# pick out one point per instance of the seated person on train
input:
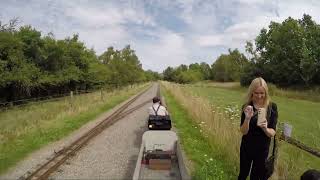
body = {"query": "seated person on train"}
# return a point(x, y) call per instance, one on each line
point(157, 109)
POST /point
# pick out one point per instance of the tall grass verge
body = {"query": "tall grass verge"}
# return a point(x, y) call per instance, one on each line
point(27, 128)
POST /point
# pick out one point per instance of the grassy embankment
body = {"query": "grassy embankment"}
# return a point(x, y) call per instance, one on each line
point(27, 128)
point(217, 108)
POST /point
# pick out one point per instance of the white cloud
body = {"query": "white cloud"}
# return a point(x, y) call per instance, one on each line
point(251, 1)
point(95, 16)
point(209, 40)
point(170, 50)
point(101, 39)
point(109, 14)
point(248, 25)
point(139, 17)
point(234, 36)
point(296, 9)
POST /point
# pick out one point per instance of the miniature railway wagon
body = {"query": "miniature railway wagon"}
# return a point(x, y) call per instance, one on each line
point(160, 157)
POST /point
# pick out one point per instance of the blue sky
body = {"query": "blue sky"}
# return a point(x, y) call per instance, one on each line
point(162, 32)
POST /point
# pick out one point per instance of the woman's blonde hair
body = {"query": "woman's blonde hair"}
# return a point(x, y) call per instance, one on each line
point(258, 82)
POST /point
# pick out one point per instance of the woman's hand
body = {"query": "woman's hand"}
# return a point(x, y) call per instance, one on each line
point(264, 125)
point(268, 131)
point(248, 111)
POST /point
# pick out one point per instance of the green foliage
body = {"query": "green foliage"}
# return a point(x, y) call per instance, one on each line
point(32, 65)
point(229, 67)
point(169, 74)
point(226, 68)
point(152, 76)
point(187, 74)
point(288, 53)
point(124, 66)
point(10, 27)
point(205, 70)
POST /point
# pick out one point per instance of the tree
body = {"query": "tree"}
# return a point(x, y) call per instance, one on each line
point(152, 76)
point(169, 74)
point(124, 65)
point(33, 66)
point(205, 70)
point(32, 43)
point(18, 76)
point(10, 27)
point(229, 67)
point(310, 68)
point(108, 55)
point(290, 51)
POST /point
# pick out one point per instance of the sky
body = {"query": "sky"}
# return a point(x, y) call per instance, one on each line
point(162, 32)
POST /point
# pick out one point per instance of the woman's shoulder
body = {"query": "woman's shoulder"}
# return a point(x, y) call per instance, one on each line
point(273, 106)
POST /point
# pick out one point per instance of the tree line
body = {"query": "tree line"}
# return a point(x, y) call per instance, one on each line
point(286, 54)
point(32, 65)
point(226, 68)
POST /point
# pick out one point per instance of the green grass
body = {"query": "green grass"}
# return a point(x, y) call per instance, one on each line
point(207, 161)
point(302, 114)
point(309, 94)
point(28, 128)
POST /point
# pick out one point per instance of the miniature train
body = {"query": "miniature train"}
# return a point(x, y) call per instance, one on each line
point(160, 156)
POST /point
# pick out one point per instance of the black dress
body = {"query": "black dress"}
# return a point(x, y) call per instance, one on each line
point(255, 144)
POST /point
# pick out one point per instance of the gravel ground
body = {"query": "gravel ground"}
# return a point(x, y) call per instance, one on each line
point(110, 155)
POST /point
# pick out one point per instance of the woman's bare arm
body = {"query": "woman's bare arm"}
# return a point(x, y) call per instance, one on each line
point(244, 128)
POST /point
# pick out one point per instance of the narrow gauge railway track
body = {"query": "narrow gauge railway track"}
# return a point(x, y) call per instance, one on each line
point(61, 156)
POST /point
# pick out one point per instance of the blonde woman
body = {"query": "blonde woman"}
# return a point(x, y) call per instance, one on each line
point(256, 138)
